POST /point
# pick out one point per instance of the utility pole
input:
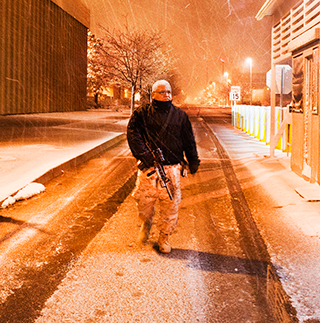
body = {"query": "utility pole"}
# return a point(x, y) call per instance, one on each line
point(222, 68)
point(249, 60)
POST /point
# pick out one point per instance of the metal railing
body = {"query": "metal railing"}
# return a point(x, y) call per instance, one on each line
point(255, 120)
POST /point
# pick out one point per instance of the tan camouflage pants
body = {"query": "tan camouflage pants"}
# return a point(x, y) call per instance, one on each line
point(148, 190)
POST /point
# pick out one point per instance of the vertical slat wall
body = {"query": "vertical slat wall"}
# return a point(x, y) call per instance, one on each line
point(301, 18)
point(43, 58)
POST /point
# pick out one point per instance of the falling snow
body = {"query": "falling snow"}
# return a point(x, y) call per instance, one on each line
point(201, 32)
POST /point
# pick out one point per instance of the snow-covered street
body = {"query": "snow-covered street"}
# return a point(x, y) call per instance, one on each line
point(70, 253)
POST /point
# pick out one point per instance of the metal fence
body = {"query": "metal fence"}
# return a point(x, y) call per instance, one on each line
point(255, 120)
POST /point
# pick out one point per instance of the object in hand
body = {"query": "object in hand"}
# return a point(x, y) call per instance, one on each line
point(193, 168)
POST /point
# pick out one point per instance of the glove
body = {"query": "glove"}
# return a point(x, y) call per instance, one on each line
point(147, 160)
point(193, 167)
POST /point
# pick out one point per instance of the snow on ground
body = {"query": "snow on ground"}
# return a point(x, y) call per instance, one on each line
point(25, 193)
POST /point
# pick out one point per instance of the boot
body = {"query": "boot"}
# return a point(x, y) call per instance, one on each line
point(164, 246)
point(144, 232)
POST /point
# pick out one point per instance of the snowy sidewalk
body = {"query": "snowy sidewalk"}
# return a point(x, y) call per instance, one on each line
point(38, 147)
point(291, 230)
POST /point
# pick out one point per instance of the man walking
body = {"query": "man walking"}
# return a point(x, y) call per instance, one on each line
point(160, 126)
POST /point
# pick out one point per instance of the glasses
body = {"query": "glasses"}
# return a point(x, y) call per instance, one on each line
point(164, 92)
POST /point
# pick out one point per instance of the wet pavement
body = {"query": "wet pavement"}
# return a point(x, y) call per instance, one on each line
point(292, 235)
point(33, 146)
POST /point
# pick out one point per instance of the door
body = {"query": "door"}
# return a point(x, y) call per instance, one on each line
point(310, 108)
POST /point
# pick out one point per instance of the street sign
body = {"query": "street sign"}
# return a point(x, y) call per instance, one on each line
point(235, 93)
point(283, 79)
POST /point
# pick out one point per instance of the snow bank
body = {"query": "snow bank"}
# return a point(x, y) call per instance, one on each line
point(25, 193)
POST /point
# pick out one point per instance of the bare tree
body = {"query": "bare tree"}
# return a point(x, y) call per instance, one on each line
point(164, 69)
point(97, 71)
point(132, 56)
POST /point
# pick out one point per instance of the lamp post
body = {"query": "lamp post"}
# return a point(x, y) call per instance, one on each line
point(249, 60)
point(226, 78)
point(222, 68)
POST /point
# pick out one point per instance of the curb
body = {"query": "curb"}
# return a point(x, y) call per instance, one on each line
point(76, 161)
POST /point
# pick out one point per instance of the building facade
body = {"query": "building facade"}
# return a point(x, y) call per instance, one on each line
point(43, 50)
point(296, 41)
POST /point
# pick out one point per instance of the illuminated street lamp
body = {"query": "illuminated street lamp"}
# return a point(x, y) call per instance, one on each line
point(226, 75)
point(249, 60)
point(222, 71)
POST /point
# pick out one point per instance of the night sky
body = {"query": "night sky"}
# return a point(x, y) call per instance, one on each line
point(201, 31)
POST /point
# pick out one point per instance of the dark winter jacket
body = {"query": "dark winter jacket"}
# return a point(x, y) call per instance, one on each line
point(176, 141)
